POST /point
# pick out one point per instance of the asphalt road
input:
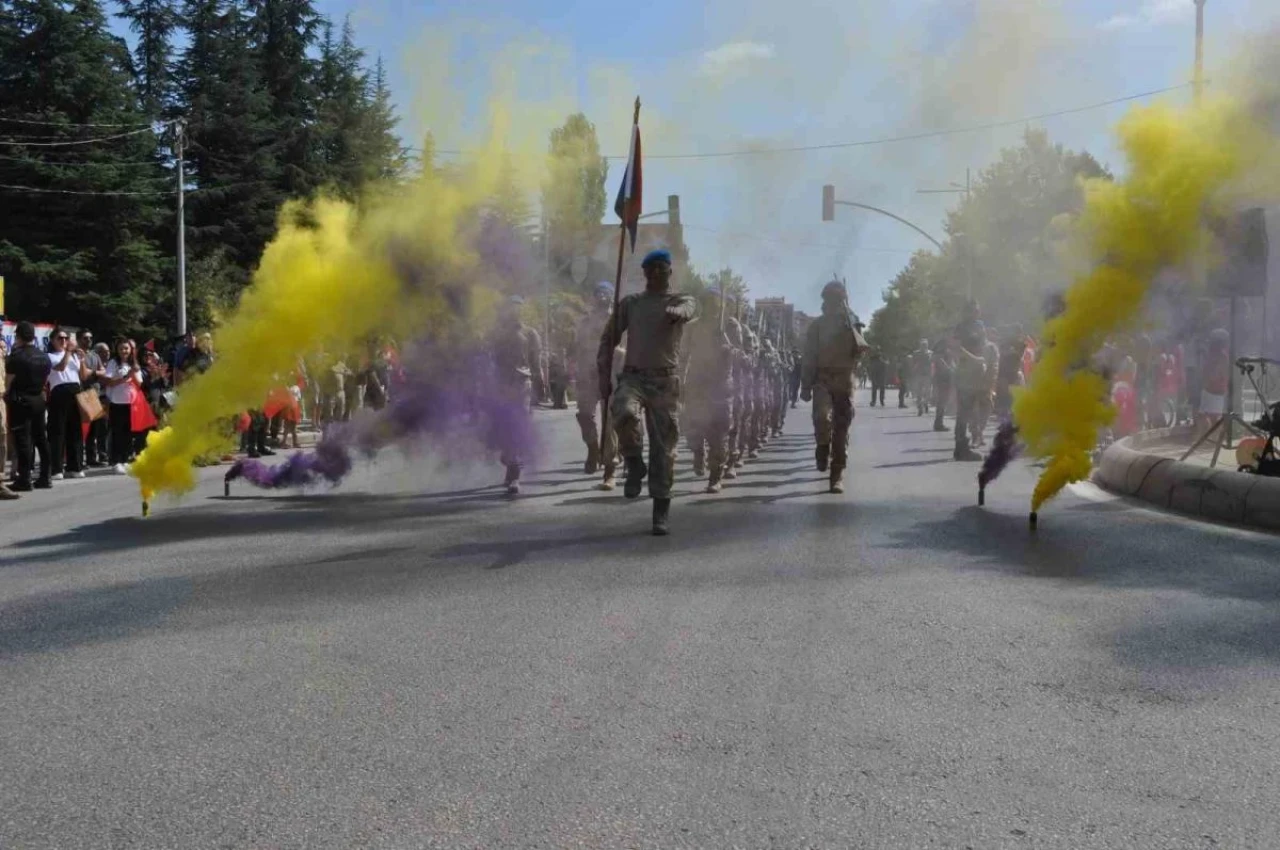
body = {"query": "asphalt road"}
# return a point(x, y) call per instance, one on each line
point(416, 661)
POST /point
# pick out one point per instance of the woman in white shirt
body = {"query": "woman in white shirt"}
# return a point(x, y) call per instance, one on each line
point(66, 440)
point(123, 379)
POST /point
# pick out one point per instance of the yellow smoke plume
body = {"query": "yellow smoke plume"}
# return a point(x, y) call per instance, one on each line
point(1183, 166)
point(333, 275)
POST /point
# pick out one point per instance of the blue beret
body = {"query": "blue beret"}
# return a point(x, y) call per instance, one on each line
point(604, 286)
point(659, 256)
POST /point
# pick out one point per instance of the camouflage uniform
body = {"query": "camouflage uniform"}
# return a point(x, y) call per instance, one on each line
point(769, 366)
point(587, 394)
point(782, 371)
point(748, 444)
point(709, 410)
point(987, 396)
point(648, 391)
point(738, 380)
point(832, 347)
point(517, 352)
point(922, 377)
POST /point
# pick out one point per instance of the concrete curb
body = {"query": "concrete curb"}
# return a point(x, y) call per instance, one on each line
point(1216, 494)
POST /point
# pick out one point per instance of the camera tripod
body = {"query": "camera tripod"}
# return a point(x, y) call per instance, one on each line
point(1222, 428)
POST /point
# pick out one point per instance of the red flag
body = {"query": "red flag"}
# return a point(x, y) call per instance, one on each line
point(628, 204)
point(141, 417)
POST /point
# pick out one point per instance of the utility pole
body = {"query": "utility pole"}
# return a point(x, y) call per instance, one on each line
point(179, 130)
point(1199, 73)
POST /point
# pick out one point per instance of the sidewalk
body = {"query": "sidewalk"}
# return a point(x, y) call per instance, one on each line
point(1147, 466)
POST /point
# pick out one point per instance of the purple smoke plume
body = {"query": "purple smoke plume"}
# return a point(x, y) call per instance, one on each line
point(452, 399)
point(1004, 448)
point(447, 391)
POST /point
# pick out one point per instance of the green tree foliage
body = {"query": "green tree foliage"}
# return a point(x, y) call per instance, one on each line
point(1004, 239)
point(231, 143)
point(573, 197)
point(82, 249)
point(271, 105)
point(153, 22)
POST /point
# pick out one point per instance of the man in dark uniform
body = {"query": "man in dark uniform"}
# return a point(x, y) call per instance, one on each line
point(517, 352)
point(26, 371)
point(648, 390)
point(878, 370)
point(794, 377)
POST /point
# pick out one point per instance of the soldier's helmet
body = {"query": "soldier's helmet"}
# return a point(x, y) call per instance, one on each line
point(834, 289)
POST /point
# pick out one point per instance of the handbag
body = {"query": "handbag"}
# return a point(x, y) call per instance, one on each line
point(90, 405)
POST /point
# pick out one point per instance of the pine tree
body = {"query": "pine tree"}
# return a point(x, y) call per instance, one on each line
point(340, 88)
point(231, 148)
point(383, 154)
point(154, 22)
point(509, 202)
point(76, 242)
point(284, 32)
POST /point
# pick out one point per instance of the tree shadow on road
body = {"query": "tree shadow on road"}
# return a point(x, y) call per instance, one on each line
point(275, 515)
point(60, 620)
point(1235, 622)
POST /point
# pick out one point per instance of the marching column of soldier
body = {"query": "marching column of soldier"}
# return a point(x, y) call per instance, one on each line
point(731, 385)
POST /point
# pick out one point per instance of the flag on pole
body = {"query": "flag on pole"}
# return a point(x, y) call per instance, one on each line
point(627, 206)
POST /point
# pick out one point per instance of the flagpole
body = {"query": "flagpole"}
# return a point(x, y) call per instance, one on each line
point(617, 301)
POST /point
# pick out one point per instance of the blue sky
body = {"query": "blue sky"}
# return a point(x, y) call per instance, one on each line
point(727, 75)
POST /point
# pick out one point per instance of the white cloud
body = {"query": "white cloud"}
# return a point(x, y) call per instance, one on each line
point(1152, 13)
point(734, 55)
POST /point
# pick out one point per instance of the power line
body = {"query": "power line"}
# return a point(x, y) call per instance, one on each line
point(33, 190)
point(797, 242)
point(932, 134)
point(70, 142)
point(82, 163)
point(72, 125)
point(108, 194)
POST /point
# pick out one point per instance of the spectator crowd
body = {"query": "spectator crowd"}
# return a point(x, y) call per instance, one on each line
point(79, 405)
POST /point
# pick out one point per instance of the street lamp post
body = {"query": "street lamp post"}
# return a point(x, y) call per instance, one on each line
point(829, 203)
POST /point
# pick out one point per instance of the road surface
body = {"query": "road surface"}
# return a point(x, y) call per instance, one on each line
point(417, 661)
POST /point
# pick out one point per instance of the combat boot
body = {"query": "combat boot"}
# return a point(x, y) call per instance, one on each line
point(661, 507)
point(820, 455)
point(512, 481)
point(699, 462)
point(713, 484)
point(729, 472)
point(607, 482)
point(636, 472)
point(593, 460)
point(966, 454)
point(837, 479)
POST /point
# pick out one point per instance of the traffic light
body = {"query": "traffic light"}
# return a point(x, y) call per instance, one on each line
point(828, 203)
